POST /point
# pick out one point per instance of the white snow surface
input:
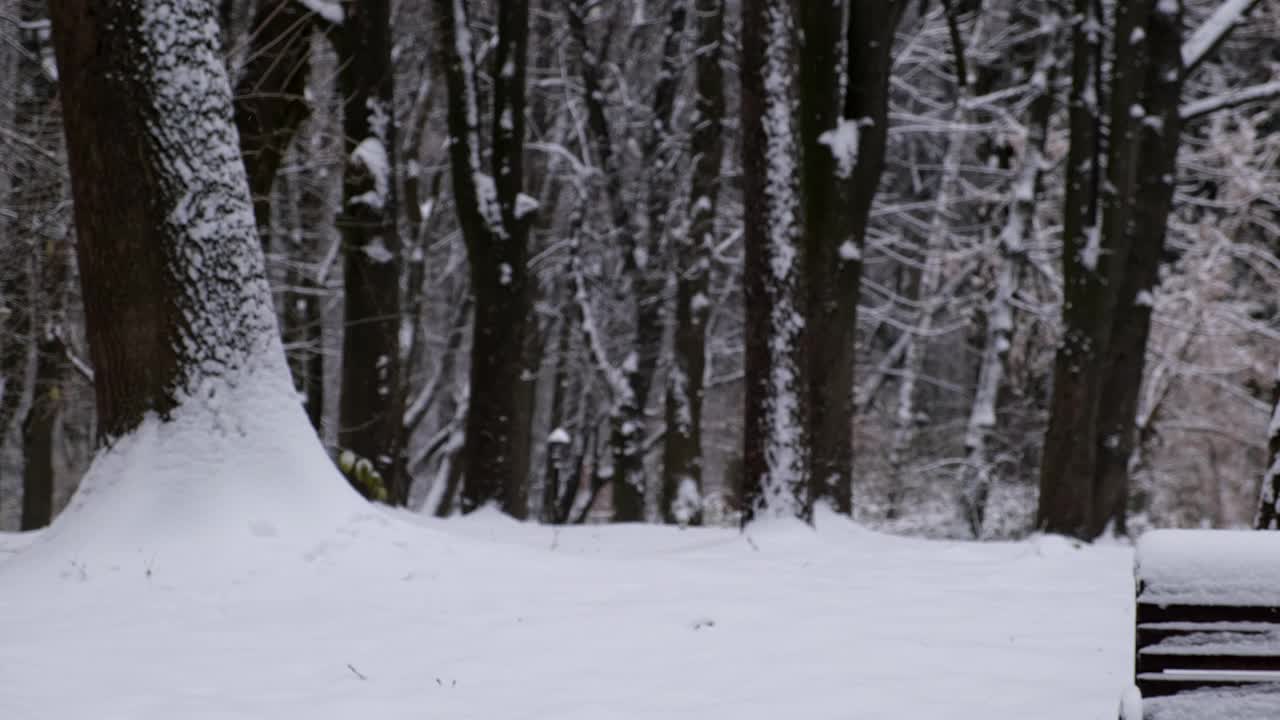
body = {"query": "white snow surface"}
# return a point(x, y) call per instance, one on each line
point(1217, 567)
point(842, 141)
point(194, 584)
point(1240, 703)
point(371, 156)
point(330, 10)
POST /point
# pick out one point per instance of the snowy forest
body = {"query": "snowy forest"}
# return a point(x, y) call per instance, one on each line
point(593, 359)
point(961, 269)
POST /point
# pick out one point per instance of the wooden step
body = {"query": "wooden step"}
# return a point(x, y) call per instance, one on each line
point(1154, 632)
point(1150, 612)
point(1159, 684)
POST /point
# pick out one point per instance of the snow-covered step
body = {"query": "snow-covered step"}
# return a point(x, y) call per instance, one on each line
point(1151, 633)
point(1208, 611)
point(1159, 684)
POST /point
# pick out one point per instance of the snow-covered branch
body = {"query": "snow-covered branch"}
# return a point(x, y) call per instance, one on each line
point(1214, 31)
point(1230, 99)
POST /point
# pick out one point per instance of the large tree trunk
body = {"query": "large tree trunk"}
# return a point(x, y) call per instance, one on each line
point(371, 401)
point(1067, 465)
point(175, 295)
point(1158, 140)
point(494, 217)
point(681, 497)
point(776, 457)
point(844, 144)
point(828, 162)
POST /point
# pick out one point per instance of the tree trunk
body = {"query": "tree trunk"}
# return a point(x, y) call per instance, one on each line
point(1019, 228)
point(494, 217)
point(776, 457)
point(48, 390)
point(1158, 141)
point(843, 161)
point(371, 401)
point(1067, 463)
point(681, 496)
point(175, 294)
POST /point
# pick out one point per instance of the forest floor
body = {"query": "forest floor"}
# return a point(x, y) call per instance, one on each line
point(486, 618)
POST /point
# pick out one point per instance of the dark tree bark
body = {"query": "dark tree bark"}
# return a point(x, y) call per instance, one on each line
point(175, 295)
point(776, 459)
point(1158, 140)
point(681, 497)
point(844, 143)
point(494, 217)
point(826, 226)
point(371, 402)
point(1067, 464)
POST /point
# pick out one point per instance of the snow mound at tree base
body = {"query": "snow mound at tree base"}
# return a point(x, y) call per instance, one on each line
point(223, 488)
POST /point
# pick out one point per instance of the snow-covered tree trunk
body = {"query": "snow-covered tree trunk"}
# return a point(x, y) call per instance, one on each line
point(494, 216)
point(1010, 258)
point(681, 497)
point(178, 311)
point(371, 401)
point(776, 454)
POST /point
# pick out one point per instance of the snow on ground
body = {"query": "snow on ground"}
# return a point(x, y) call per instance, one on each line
point(397, 617)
